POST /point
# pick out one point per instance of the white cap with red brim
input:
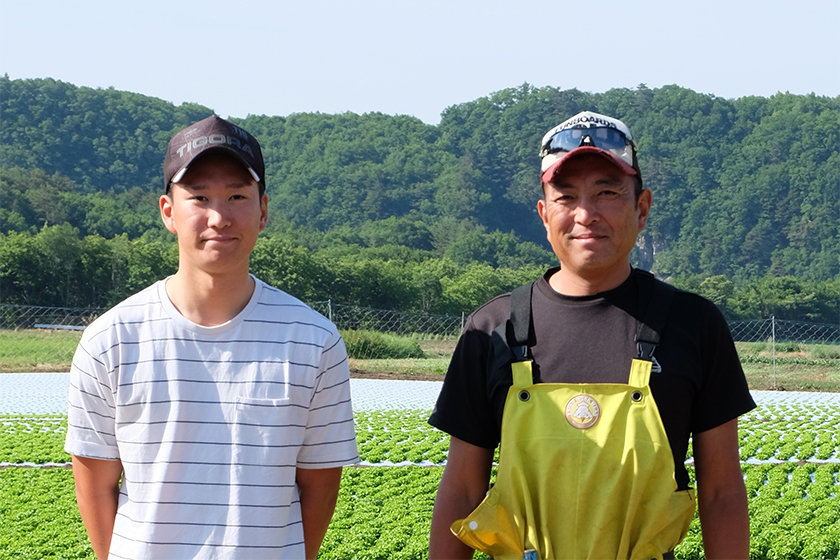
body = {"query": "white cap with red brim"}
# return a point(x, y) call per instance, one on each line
point(623, 157)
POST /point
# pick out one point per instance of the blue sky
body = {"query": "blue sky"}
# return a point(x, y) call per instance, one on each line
point(417, 58)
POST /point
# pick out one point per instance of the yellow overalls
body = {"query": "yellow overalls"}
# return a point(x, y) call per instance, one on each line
point(585, 471)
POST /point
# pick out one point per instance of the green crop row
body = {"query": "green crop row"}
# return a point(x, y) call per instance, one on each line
point(780, 433)
point(398, 436)
point(385, 513)
point(33, 439)
point(40, 517)
point(793, 415)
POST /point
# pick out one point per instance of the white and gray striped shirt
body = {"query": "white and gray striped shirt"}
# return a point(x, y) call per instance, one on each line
point(210, 423)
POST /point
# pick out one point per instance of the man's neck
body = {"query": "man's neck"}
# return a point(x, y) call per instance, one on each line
point(209, 300)
point(569, 284)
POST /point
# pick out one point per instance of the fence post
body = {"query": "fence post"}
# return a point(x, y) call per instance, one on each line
point(773, 342)
point(329, 309)
point(462, 321)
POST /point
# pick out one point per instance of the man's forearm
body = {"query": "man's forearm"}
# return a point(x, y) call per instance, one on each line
point(449, 507)
point(462, 487)
point(726, 526)
point(721, 495)
point(318, 494)
point(97, 494)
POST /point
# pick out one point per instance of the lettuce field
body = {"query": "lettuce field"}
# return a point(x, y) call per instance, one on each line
point(790, 459)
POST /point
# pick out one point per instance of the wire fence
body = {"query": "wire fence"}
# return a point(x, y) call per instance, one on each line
point(789, 353)
point(777, 350)
point(421, 325)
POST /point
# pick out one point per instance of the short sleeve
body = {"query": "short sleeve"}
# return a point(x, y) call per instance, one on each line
point(464, 409)
point(330, 436)
point(724, 394)
point(91, 426)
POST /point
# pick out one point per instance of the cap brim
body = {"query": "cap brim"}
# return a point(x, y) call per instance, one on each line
point(216, 149)
point(551, 172)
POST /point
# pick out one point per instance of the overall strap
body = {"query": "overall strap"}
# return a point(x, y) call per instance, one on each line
point(519, 335)
point(520, 327)
point(654, 305)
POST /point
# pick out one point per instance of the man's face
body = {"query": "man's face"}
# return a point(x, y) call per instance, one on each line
point(592, 219)
point(216, 212)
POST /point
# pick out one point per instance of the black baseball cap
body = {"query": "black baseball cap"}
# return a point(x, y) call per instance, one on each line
point(212, 134)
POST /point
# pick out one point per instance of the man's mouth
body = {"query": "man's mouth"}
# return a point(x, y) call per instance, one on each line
point(589, 236)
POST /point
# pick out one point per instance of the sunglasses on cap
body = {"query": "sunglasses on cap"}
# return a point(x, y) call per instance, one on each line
point(608, 139)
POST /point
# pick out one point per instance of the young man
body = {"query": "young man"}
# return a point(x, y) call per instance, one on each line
point(222, 403)
point(592, 379)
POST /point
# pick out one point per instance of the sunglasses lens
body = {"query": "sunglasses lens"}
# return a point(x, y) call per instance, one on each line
point(566, 140)
point(608, 139)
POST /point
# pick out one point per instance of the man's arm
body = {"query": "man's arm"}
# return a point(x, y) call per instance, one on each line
point(97, 493)
point(721, 494)
point(318, 493)
point(463, 485)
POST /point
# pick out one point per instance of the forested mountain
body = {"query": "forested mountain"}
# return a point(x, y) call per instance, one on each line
point(745, 189)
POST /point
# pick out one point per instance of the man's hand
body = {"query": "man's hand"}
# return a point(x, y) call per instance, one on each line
point(463, 486)
point(318, 493)
point(97, 493)
point(721, 494)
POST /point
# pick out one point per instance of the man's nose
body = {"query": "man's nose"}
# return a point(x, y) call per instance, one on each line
point(586, 211)
point(218, 216)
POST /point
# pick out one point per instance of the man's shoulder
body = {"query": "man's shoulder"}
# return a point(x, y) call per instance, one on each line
point(276, 303)
point(683, 300)
point(695, 305)
point(696, 316)
point(491, 314)
point(497, 310)
point(134, 308)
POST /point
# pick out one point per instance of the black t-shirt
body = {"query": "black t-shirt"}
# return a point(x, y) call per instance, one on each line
point(591, 339)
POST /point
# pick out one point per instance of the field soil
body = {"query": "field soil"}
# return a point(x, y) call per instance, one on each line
point(356, 373)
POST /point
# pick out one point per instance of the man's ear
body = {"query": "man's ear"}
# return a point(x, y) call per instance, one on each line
point(263, 211)
point(166, 209)
point(645, 199)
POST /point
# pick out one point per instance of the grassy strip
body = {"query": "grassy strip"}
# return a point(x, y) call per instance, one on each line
point(806, 367)
point(792, 377)
point(405, 367)
point(378, 345)
point(37, 350)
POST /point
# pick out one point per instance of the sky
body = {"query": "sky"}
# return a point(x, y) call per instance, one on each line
point(418, 58)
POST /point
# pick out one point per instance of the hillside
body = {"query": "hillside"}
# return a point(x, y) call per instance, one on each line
point(743, 188)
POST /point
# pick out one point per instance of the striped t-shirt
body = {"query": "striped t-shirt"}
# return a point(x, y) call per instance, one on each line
point(210, 423)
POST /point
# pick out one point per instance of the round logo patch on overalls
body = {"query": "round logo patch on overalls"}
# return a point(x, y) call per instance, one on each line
point(583, 411)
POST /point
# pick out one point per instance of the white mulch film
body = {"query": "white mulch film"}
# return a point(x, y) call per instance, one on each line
point(46, 393)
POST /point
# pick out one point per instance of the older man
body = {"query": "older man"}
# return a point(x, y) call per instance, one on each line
point(592, 378)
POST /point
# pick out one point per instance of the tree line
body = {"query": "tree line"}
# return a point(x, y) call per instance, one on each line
point(58, 267)
point(744, 190)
